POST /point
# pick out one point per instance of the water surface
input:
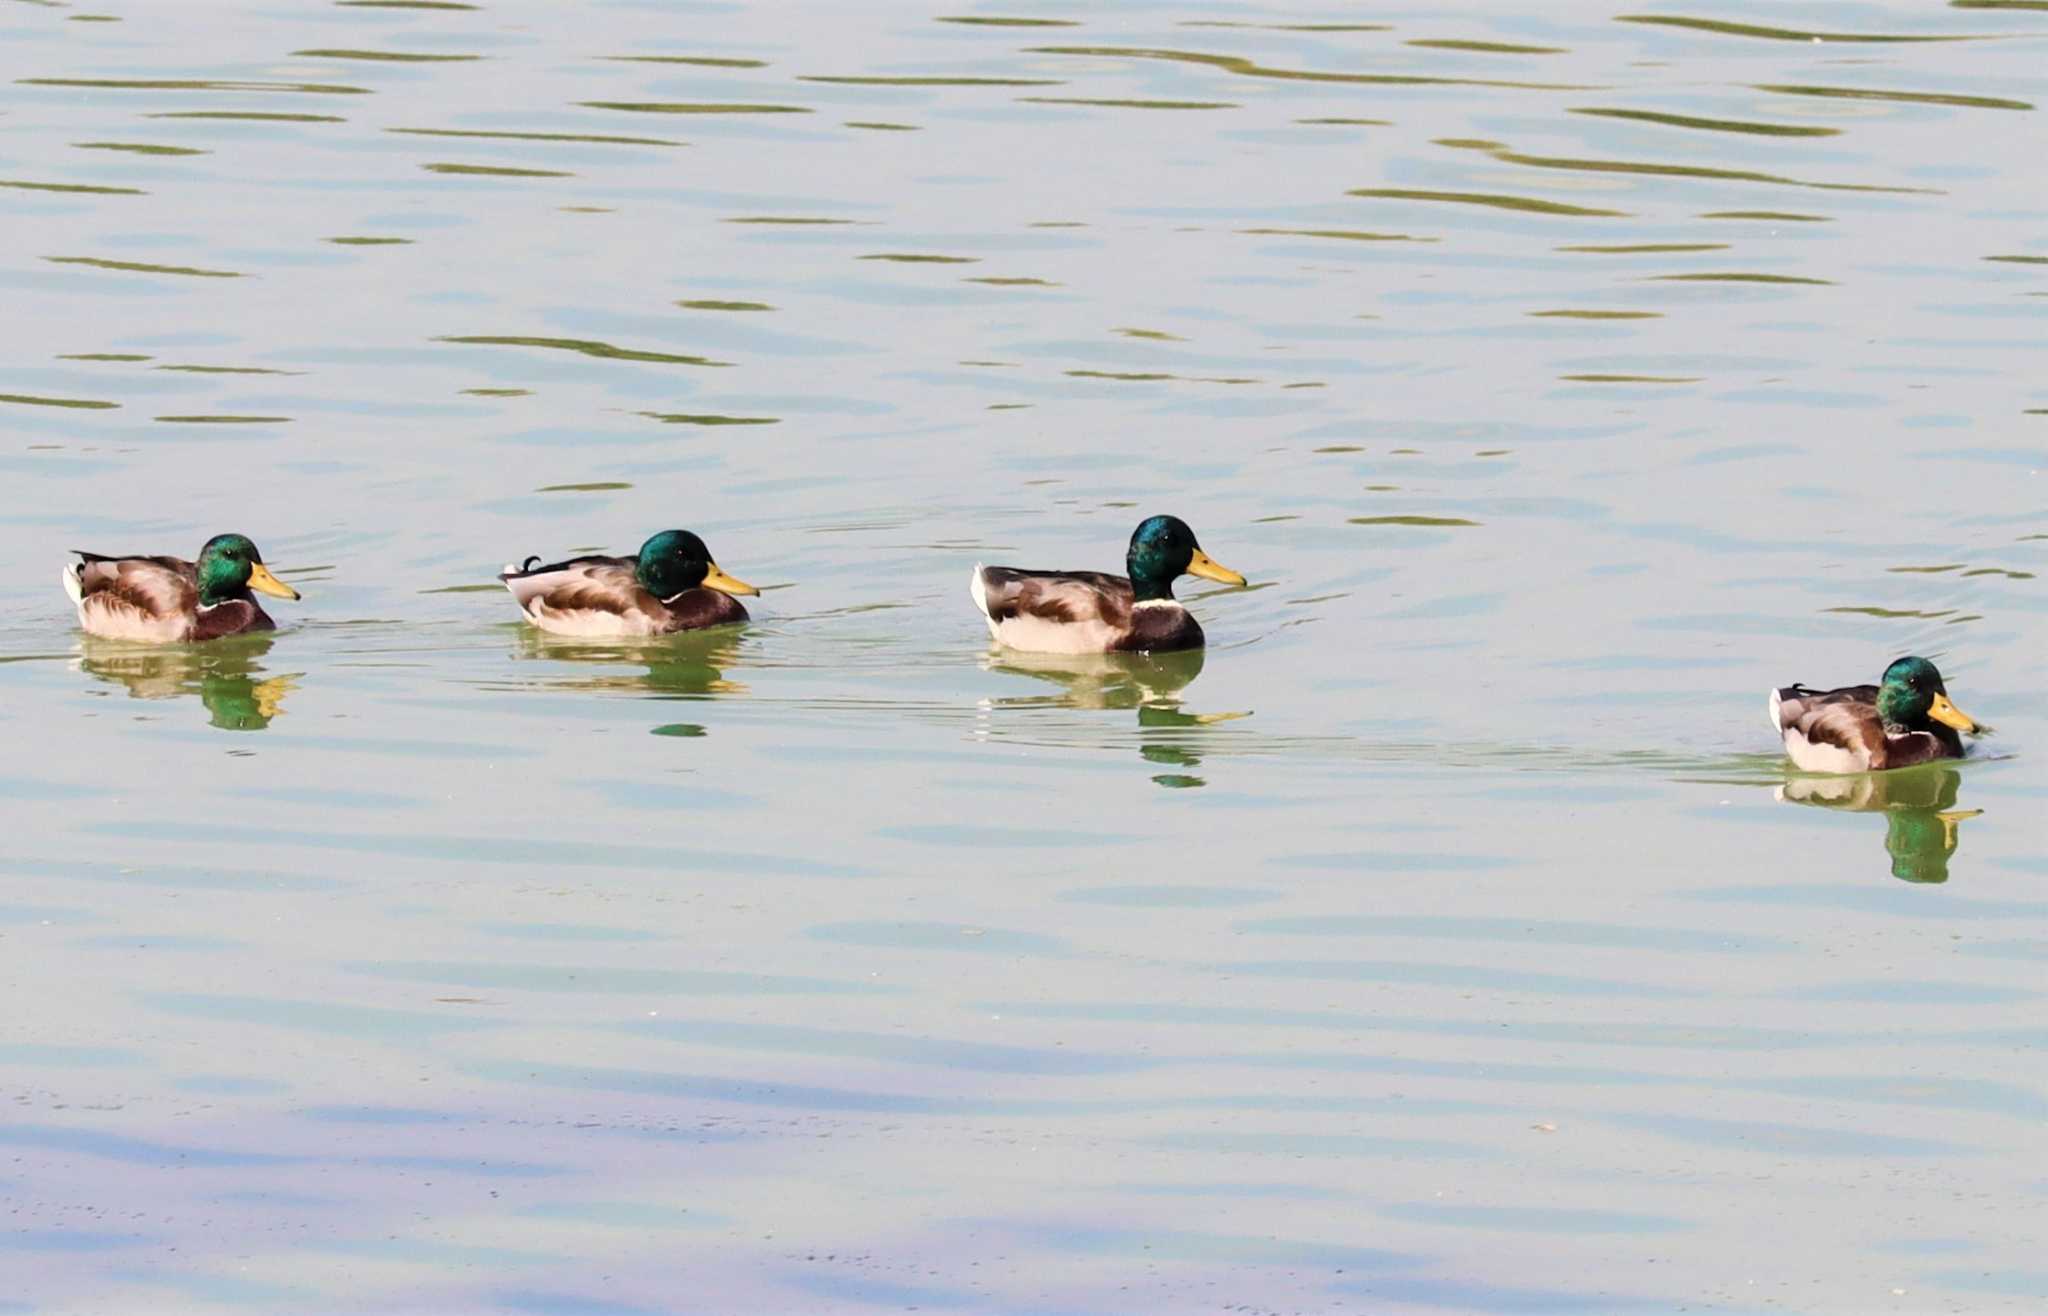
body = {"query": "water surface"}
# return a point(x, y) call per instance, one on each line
point(1448, 937)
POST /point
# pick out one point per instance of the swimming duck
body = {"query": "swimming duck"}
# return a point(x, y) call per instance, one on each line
point(1906, 719)
point(670, 585)
point(1092, 612)
point(167, 600)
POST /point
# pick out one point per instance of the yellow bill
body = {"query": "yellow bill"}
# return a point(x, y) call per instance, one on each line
point(1949, 715)
point(724, 584)
point(1208, 568)
point(263, 582)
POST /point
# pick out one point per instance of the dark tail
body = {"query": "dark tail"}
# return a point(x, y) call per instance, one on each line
point(520, 570)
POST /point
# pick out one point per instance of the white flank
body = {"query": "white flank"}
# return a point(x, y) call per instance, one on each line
point(119, 621)
point(72, 587)
point(1777, 723)
point(590, 622)
point(1811, 757)
point(1037, 635)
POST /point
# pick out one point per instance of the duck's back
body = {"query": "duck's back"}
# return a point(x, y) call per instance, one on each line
point(153, 599)
point(592, 596)
point(1830, 730)
point(1053, 611)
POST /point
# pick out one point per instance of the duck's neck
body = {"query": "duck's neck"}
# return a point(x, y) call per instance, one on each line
point(216, 588)
point(1149, 582)
point(665, 578)
point(1144, 590)
point(1900, 709)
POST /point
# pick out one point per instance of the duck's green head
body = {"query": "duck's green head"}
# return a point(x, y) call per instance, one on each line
point(1163, 549)
point(230, 564)
point(1912, 695)
point(676, 560)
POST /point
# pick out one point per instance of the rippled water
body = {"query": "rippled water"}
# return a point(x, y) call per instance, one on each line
point(1450, 938)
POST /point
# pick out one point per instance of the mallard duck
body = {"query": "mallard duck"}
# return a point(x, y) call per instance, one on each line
point(167, 600)
point(1091, 612)
point(670, 585)
point(1906, 719)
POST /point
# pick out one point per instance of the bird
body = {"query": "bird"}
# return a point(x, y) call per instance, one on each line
point(1093, 612)
point(167, 600)
point(672, 584)
point(1905, 719)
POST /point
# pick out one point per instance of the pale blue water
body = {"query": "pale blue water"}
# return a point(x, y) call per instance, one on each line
point(1449, 937)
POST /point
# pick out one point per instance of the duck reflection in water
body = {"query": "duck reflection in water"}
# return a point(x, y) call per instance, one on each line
point(1922, 823)
point(1147, 682)
point(688, 665)
point(226, 674)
